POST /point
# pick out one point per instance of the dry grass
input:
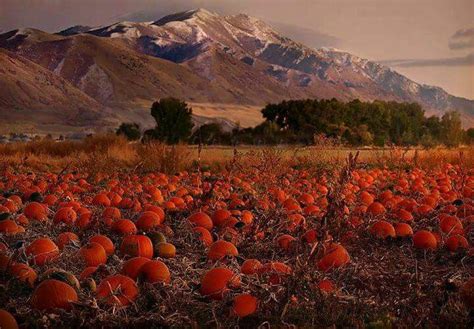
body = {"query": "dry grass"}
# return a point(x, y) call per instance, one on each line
point(108, 153)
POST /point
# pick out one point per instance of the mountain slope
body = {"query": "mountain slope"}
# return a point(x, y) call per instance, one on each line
point(206, 58)
point(32, 97)
point(183, 36)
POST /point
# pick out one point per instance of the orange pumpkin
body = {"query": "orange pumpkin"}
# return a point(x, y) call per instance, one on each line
point(117, 290)
point(251, 266)
point(335, 256)
point(244, 305)
point(105, 242)
point(66, 238)
point(65, 215)
point(137, 246)
point(7, 321)
point(124, 227)
point(216, 282)
point(326, 286)
point(166, 250)
point(132, 267)
point(383, 229)
point(456, 241)
point(23, 273)
point(41, 251)
point(148, 220)
point(403, 230)
point(201, 219)
point(155, 271)
point(93, 254)
point(51, 294)
point(8, 227)
point(35, 211)
point(425, 240)
point(221, 249)
point(204, 235)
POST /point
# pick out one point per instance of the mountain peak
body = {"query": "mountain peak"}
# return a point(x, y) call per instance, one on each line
point(200, 13)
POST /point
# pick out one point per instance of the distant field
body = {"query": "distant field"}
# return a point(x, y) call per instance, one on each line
point(109, 152)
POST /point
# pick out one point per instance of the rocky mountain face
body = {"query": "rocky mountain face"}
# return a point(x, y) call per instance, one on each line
point(203, 57)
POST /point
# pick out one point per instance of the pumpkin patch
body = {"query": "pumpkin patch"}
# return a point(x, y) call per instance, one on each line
point(243, 248)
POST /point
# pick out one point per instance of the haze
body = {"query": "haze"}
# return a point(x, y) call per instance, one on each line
point(430, 41)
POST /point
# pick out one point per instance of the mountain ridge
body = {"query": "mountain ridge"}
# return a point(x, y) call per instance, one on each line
point(204, 57)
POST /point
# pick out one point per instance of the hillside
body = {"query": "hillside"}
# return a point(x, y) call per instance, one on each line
point(206, 58)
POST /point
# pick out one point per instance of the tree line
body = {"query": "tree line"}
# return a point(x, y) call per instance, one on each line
point(311, 121)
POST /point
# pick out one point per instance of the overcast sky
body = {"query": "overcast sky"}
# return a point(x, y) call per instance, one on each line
point(430, 41)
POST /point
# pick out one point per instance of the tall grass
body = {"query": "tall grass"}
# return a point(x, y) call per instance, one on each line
point(109, 153)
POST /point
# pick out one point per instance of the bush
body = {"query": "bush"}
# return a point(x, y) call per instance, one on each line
point(130, 130)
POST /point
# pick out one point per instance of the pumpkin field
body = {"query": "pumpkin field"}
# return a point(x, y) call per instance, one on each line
point(256, 240)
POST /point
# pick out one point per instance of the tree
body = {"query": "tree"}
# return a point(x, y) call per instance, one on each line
point(451, 129)
point(209, 134)
point(173, 121)
point(129, 130)
point(470, 136)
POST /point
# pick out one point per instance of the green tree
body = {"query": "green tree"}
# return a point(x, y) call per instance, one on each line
point(451, 129)
point(470, 136)
point(209, 134)
point(130, 130)
point(173, 121)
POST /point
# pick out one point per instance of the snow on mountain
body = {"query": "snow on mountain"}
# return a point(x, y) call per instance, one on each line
point(252, 63)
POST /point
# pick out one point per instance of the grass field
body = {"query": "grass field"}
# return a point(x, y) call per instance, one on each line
point(105, 233)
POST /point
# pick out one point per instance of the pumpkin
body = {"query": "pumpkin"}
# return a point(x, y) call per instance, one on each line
point(220, 216)
point(65, 215)
point(23, 273)
point(105, 242)
point(165, 250)
point(244, 305)
point(155, 271)
point(63, 276)
point(51, 294)
point(285, 241)
point(8, 227)
point(217, 281)
point(383, 229)
point(117, 290)
point(456, 241)
point(148, 220)
point(201, 219)
point(376, 209)
point(335, 256)
point(42, 251)
point(131, 267)
point(7, 321)
point(204, 235)
point(35, 211)
point(66, 238)
point(326, 286)
point(221, 249)
point(124, 227)
point(425, 240)
point(93, 254)
point(275, 271)
point(403, 230)
point(251, 266)
point(137, 246)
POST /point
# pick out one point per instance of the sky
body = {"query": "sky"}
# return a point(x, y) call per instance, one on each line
point(430, 41)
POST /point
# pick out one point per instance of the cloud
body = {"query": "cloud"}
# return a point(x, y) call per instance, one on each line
point(462, 39)
point(449, 61)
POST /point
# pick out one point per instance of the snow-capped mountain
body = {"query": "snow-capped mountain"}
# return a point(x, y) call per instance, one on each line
point(234, 59)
